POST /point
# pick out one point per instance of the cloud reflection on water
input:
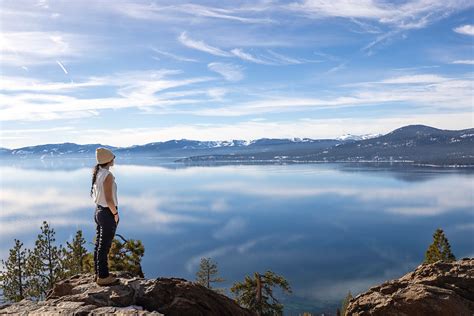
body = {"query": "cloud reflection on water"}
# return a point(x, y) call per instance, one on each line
point(314, 224)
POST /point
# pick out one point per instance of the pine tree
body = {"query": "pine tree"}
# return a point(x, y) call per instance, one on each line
point(88, 263)
point(123, 256)
point(126, 256)
point(13, 278)
point(74, 255)
point(345, 303)
point(254, 293)
point(207, 274)
point(440, 249)
point(44, 264)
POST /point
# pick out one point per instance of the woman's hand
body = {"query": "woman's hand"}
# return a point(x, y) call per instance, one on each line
point(116, 218)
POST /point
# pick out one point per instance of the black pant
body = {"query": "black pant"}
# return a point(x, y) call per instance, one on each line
point(105, 229)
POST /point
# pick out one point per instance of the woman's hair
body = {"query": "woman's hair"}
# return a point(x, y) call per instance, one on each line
point(94, 174)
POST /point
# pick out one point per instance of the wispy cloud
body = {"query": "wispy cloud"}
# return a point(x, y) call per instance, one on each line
point(139, 89)
point(409, 15)
point(235, 226)
point(365, 27)
point(396, 198)
point(287, 60)
point(464, 62)
point(214, 12)
point(31, 48)
point(248, 57)
point(337, 68)
point(230, 72)
point(181, 12)
point(173, 56)
point(467, 29)
point(423, 78)
point(15, 202)
point(273, 58)
point(154, 90)
point(384, 38)
point(340, 8)
point(25, 84)
point(423, 90)
point(399, 17)
point(202, 46)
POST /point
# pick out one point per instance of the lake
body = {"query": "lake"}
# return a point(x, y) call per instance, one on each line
point(327, 228)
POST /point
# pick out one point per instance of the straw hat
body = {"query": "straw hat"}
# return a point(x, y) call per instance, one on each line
point(103, 155)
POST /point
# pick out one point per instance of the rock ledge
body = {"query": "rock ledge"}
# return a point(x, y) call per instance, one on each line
point(80, 295)
point(437, 289)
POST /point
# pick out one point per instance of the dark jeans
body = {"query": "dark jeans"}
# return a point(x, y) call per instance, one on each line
point(105, 229)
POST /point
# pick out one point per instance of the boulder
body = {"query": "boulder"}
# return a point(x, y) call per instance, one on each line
point(80, 295)
point(437, 289)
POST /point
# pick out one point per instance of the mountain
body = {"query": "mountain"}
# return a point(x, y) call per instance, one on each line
point(5, 151)
point(54, 150)
point(357, 137)
point(175, 148)
point(417, 144)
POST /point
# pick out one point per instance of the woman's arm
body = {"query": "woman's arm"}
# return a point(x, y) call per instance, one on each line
point(108, 182)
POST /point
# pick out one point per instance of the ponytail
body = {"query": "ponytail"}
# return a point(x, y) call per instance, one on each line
point(94, 175)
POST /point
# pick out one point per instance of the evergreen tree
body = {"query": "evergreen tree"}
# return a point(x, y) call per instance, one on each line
point(440, 249)
point(123, 256)
point(126, 256)
point(44, 265)
point(13, 278)
point(88, 263)
point(74, 255)
point(207, 274)
point(254, 293)
point(345, 303)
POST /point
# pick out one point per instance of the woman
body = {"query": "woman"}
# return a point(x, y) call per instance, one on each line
point(104, 192)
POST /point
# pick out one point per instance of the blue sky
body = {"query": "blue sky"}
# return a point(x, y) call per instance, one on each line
point(129, 72)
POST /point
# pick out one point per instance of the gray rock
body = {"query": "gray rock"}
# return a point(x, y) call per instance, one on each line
point(438, 289)
point(80, 295)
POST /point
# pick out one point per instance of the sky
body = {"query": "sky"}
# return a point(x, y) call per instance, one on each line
point(129, 72)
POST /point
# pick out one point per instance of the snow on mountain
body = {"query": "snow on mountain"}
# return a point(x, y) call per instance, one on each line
point(357, 137)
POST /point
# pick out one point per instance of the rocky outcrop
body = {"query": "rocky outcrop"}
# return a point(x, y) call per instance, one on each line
point(80, 295)
point(437, 289)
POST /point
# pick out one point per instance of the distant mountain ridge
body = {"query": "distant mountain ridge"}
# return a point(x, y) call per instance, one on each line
point(173, 148)
point(418, 144)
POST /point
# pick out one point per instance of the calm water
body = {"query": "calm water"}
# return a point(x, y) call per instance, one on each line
point(327, 228)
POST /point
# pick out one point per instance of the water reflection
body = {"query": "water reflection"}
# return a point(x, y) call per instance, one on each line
point(326, 228)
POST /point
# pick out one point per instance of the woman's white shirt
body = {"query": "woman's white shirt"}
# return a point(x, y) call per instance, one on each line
point(98, 188)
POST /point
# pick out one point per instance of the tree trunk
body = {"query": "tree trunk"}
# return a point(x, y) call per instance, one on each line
point(259, 294)
point(19, 275)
